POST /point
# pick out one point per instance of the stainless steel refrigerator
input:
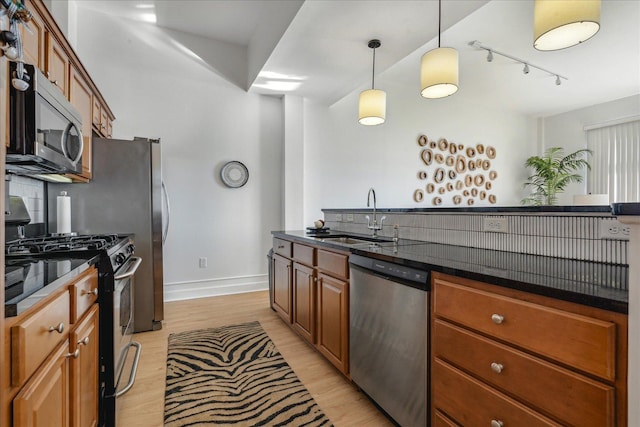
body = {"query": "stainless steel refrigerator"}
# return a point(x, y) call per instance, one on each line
point(125, 195)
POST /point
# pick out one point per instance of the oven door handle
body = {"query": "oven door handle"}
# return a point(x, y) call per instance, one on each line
point(131, 270)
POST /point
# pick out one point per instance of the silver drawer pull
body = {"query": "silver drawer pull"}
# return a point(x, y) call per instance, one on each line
point(497, 423)
point(75, 354)
point(84, 341)
point(89, 293)
point(497, 319)
point(59, 329)
point(497, 367)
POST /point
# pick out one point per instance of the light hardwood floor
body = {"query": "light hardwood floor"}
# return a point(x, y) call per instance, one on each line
point(143, 405)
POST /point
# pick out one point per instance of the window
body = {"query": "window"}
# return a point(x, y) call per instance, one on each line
point(615, 163)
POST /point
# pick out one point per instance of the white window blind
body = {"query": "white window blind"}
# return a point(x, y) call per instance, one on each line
point(615, 163)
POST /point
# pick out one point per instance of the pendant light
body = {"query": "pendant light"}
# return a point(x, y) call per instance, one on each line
point(372, 107)
point(558, 24)
point(439, 68)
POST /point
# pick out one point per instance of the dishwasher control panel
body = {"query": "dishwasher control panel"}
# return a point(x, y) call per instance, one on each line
point(391, 270)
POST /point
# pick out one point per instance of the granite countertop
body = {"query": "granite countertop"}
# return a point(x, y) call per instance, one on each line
point(589, 283)
point(31, 279)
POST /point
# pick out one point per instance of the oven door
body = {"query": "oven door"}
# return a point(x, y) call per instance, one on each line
point(123, 308)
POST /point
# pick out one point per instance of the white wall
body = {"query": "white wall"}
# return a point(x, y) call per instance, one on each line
point(343, 159)
point(156, 88)
point(567, 130)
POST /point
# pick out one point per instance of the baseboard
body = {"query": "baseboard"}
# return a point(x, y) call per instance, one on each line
point(215, 287)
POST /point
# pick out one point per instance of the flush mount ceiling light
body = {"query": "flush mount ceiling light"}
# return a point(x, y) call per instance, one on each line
point(527, 65)
point(558, 24)
point(439, 68)
point(372, 107)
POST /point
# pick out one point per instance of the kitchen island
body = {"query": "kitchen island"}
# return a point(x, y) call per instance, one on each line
point(560, 353)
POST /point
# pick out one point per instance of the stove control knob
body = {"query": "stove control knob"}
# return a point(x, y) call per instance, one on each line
point(131, 248)
point(120, 258)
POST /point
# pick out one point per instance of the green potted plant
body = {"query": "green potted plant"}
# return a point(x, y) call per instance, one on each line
point(552, 173)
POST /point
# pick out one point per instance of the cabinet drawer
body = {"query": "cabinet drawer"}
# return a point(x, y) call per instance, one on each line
point(304, 254)
point(333, 263)
point(565, 395)
point(472, 403)
point(282, 247)
point(84, 292)
point(578, 341)
point(33, 338)
point(441, 420)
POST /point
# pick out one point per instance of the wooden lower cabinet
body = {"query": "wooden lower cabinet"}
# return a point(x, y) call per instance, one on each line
point(505, 357)
point(282, 287)
point(304, 301)
point(44, 400)
point(333, 321)
point(84, 371)
point(311, 293)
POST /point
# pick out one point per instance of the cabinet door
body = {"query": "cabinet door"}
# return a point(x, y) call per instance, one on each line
point(33, 47)
point(81, 97)
point(282, 292)
point(104, 122)
point(44, 400)
point(96, 114)
point(304, 286)
point(333, 320)
point(84, 371)
point(57, 65)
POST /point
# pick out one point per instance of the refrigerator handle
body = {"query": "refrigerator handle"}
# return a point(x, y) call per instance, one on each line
point(165, 231)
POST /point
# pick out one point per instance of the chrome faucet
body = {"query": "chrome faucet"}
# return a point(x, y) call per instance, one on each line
point(373, 226)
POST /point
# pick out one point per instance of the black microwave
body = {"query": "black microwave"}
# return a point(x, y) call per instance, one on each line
point(45, 130)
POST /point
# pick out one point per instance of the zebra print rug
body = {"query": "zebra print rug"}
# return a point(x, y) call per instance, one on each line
point(234, 375)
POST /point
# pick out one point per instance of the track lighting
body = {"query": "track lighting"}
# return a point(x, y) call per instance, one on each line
point(527, 65)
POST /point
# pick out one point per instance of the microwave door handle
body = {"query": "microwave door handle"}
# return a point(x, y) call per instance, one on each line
point(131, 270)
point(65, 137)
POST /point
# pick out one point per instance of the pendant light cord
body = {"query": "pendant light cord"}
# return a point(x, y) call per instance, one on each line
point(373, 73)
point(439, 20)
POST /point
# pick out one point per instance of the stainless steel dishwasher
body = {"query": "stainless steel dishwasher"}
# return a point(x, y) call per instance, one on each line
point(388, 336)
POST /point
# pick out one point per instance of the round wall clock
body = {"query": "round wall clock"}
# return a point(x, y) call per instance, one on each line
point(234, 174)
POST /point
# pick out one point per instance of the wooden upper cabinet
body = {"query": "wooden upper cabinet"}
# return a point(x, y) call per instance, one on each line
point(81, 97)
point(96, 113)
point(33, 43)
point(57, 65)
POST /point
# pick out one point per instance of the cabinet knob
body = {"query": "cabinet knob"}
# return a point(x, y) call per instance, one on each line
point(59, 329)
point(497, 319)
point(55, 82)
point(84, 341)
point(74, 355)
point(497, 367)
point(91, 292)
point(497, 423)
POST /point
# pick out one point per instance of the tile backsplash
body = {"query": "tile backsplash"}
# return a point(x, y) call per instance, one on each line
point(577, 236)
point(32, 192)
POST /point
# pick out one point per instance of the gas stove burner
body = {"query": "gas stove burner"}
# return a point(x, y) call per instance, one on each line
point(60, 244)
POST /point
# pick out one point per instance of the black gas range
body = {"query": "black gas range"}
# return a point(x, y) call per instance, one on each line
point(36, 266)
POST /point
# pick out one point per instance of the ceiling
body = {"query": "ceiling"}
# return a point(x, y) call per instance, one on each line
point(318, 48)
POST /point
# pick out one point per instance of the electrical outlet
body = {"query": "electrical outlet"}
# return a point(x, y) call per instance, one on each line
point(202, 262)
point(339, 217)
point(350, 217)
point(613, 229)
point(496, 225)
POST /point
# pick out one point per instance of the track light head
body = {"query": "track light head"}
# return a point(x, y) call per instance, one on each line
point(526, 68)
point(558, 81)
point(490, 56)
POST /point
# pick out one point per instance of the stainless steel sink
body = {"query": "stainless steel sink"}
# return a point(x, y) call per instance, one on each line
point(346, 240)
